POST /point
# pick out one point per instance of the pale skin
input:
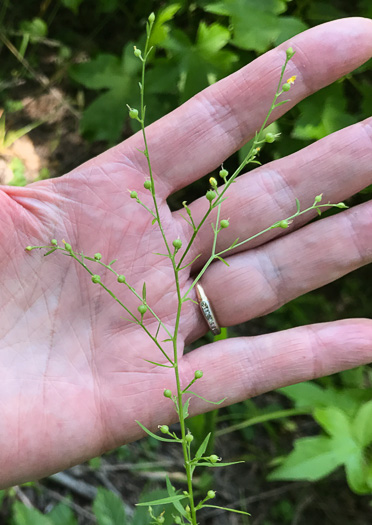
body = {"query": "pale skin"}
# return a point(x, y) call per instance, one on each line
point(73, 375)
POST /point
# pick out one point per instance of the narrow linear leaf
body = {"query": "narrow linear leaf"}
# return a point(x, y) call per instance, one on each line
point(229, 510)
point(158, 364)
point(159, 438)
point(157, 331)
point(144, 292)
point(50, 251)
point(216, 465)
point(189, 299)
point(171, 491)
point(207, 400)
point(281, 103)
point(201, 450)
point(112, 262)
point(162, 501)
point(163, 254)
point(190, 263)
point(154, 221)
point(234, 243)
point(222, 260)
point(298, 205)
point(185, 408)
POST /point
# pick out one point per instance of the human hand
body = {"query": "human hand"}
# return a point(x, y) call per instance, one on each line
point(73, 373)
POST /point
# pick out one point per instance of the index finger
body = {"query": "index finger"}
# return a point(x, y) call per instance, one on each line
point(198, 136)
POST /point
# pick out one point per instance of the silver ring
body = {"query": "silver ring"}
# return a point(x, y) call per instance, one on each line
point(206, 309)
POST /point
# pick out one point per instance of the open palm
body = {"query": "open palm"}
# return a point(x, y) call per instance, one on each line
point(73, 371)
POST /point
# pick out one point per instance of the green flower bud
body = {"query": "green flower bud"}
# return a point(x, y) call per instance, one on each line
point(96, 279)
point(318, 198)
point(133, 194)
point(211, 494)
point(133, 113)
point(198, 374)
point(289, 52)
point(283, 224)
point(177, 520)
point(223, 173)
point(164, 429)
point(213, 458)
point(342, 205)
point(189, 438)
point(121, 279)
point(98, 256)
point(269, 137)
point(177, 243)
point(286, 87)
point(142, 309)
point(224, 223)
point(210, 195)
point(147, 185)
point(54, 242)
point(167, 393)
point(68, 247)
point(160, 519)
point(137, 52)
point(152, 18)
point(213, 182)
point(28, 248)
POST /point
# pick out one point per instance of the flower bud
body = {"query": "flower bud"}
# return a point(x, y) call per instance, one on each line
point(28, 248)
point(133, 113)
point(177, 243)
point(147, 185)
point(164, 429)
point(224, 223)
point(152, 18)
point(142, 309)
point(177, 520)
point(318, 198)
point(54, 242)
point(223, 173)
point(68, 247)
point(213, 182)
point(137, 52)
point(283, 224)
point(189, 438)
point(342, 205)
point(121, 279)
point(97, 256)
point(210, 195)
point(211, 494)
point(286, 87)
point(133, 195)
point(269, 137)
point(167, 393)
point(96, 279)
point(160, 519)
point(213, 458)
point(289, 52)
point(198, 374)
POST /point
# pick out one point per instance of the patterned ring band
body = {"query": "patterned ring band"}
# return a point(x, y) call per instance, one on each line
point(207, 311)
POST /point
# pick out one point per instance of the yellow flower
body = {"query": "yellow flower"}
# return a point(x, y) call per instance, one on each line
point(291, 80)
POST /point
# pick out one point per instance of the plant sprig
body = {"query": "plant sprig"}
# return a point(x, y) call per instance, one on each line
point(215, 197)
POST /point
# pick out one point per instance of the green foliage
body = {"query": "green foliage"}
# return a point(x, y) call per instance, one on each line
point(108, 508)
point(346, 421)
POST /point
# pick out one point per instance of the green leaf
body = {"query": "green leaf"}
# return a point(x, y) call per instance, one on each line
point(155, 436)
point(358, 472)
point(334, 421)
point(298, 206)
point(322, 113)
point(362, 425)
point(36, 28)
point(185, 408)
point(203, 447)
point(158, 364)
point(144, 292)
point(222, 260)
point(23, 515)
point(18, 168)
point(73, 5)
point(162, 501)
point(62, 515)
point(108, 508)
point(204, 399)
point(226, 508)
point(160, 29)
point(218, 464)
point(141, 514)
point(313, 458)
point(289, 26)
point(171, 491)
